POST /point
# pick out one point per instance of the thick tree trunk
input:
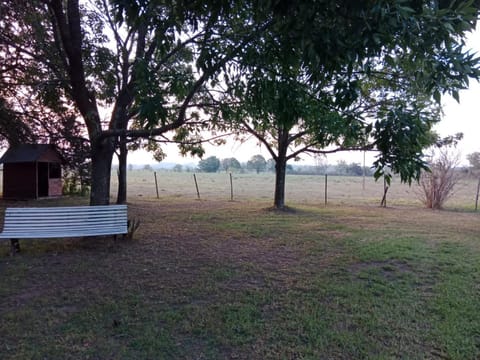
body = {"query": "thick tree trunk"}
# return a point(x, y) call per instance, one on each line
point(122, 172)
point(102, 155)
point(69, 36)
point(281, 170)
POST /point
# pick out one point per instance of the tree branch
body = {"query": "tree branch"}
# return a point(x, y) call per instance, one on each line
point(180, 120)
point(71, 36)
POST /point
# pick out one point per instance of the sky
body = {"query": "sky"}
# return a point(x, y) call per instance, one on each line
point(458, 117)
point(464, 116)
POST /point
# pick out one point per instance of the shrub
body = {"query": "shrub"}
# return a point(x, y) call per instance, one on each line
point(437, 185)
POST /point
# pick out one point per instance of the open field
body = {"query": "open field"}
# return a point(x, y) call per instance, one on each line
point(304, 189)
point(220, 279)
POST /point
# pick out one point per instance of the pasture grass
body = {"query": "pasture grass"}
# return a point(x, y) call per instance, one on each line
point(216, 279)
point(305, 189)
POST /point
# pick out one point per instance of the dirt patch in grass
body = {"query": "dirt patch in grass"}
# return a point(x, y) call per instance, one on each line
point(265, 254)
point(386, 266)
point(200, 229)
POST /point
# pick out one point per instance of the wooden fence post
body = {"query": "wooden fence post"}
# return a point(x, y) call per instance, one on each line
point(196, 186)
point(364, 172)
point(476, 197)
point(326, 189)
point(156, 183)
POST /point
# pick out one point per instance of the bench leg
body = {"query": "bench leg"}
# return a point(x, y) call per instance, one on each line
point(14, 246)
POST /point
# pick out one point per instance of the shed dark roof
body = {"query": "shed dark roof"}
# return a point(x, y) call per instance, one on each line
point(27, 153)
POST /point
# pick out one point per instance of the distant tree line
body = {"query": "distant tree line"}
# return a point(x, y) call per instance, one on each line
point(258, 164)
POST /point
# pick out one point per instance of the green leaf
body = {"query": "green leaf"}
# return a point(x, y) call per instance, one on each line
point(455, 95)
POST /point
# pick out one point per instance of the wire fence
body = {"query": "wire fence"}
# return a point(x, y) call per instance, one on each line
point(308, 189)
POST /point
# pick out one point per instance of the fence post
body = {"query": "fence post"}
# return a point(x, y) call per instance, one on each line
point(364, 172)
point(326, 189)
point(156, 183)
point(476, 197)
point(231, 187)
point(196, 186)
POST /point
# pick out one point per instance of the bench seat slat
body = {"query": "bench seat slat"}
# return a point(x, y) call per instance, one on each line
point(64, 229)
point(96, 208)
point(59, 234)
point(63, 213)
point(115, 229)
point(83, 232)
point(55, 222)
point(61, 221)
point(62, 216)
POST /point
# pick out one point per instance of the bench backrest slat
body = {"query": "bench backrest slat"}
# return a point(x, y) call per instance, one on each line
point(65, 221)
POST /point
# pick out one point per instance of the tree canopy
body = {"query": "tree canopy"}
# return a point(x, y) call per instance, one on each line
point(474, 160)
point(360, 85)
point(257, 163)
point(229, 164)
point(314, 73)
point(210, 164)
point(146, 62)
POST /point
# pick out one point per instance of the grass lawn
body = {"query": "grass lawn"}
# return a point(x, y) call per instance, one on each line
point(215, 279)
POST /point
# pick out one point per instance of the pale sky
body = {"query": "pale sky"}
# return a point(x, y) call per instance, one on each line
point(458, 117)
point(464, 116)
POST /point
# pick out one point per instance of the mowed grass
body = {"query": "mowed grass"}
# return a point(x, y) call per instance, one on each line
point(216, 279)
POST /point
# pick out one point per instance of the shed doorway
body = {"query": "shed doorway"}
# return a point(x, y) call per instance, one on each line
point(42, 179)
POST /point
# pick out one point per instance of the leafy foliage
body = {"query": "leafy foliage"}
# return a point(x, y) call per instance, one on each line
point(474, 160)
point(210, 164)
point(146, 79)
point(13, 130)
point(230, 164)
point(330, 77)
point(257, 163)
point(308, 75)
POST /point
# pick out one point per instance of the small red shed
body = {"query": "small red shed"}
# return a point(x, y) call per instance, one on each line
point(31, 171)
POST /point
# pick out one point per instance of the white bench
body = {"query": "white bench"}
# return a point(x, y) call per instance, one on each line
point(59, 222)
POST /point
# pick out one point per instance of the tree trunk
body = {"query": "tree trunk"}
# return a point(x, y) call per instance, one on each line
point(102, 154)
point(122, 172)
point(281, 170)
point(66, 21)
